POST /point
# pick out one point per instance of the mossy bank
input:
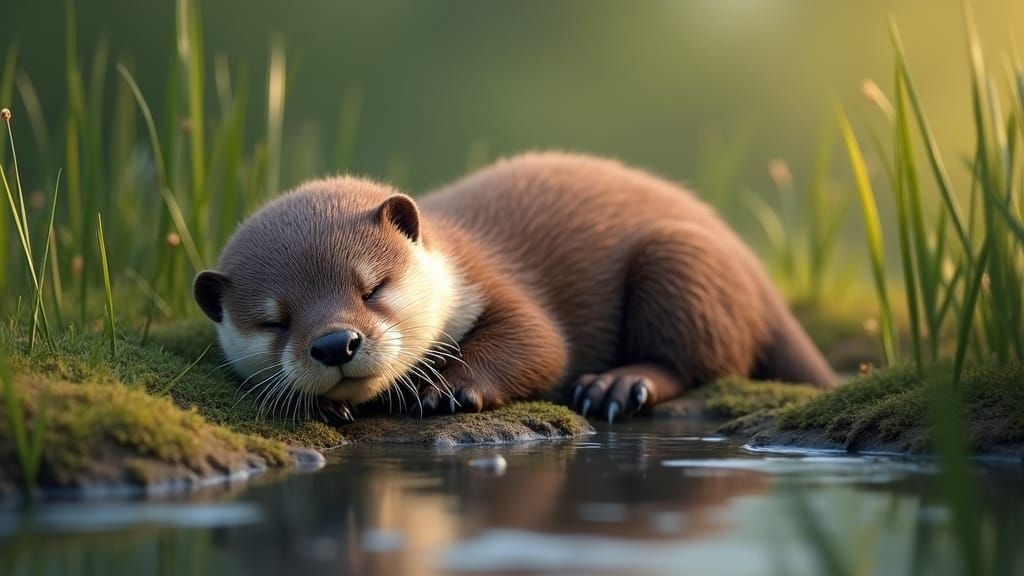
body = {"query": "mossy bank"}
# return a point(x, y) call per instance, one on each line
point(151, 415)
point(891, 411)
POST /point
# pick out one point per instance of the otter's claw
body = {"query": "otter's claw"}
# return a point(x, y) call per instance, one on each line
point(577, 391)
point(613, 395)
point(640, 394)
point(613, 409)
point(335, 413)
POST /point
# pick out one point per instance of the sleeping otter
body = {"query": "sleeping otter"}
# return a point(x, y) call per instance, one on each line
point(543, 272)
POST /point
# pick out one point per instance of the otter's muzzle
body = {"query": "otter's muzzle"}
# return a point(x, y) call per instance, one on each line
point(336, 348)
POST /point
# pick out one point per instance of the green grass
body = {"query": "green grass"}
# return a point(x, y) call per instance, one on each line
point(980, 303)
point(954, 410)
point(803, 242)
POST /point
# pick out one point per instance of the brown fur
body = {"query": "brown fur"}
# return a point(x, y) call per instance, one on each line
point(583, 271)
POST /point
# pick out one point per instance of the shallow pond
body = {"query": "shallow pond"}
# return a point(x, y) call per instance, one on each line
point(648, 496)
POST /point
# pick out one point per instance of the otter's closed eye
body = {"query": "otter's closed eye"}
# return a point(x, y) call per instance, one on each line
point(276, 326)
point(370, 293)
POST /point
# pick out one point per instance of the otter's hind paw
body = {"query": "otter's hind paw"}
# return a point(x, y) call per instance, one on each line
point(612, 395)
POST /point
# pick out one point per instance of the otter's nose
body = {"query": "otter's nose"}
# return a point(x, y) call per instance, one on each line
point(336, 348)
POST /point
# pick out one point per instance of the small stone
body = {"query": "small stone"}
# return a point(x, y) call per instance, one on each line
point(306, 458)
point(495, 464)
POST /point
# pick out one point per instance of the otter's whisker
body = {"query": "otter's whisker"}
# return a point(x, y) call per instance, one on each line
point(258, 385)
point(433, 355)
point(233, 360)
point(414, 392)
point(398, 381)
point(267, 392)
point(281, 390)
point(295, 399)
point(261, 370)
point(429, 348)
point(415, 369)
point(273, 397)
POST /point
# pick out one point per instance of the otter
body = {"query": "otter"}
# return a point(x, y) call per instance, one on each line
point(543, 273)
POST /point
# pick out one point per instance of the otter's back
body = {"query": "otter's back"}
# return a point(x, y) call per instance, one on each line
point(565, 226)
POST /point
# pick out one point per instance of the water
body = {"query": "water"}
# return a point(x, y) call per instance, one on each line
point(648, 497)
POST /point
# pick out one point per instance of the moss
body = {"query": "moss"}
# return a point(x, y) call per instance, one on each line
point(140, 417)
point(109, 432)
point(734, 397)
point(512, 423)
point(207, 387)
point(838, 411)
point(889, 410)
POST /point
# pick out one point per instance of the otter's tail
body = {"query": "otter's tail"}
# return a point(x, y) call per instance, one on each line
point(791, 356)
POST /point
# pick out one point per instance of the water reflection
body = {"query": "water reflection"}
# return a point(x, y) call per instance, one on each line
point(653, 497)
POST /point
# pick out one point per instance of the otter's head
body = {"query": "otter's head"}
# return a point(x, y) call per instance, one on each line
point(330, 290)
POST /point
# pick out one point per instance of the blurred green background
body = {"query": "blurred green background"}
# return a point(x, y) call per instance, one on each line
point(702, 92)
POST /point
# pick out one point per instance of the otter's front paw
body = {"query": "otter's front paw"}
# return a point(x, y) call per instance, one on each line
point(457, 396)
point(333, 412)
point(612, 395)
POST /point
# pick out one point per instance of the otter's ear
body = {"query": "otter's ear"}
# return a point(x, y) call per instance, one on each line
point(401, 212)
point(208, 290)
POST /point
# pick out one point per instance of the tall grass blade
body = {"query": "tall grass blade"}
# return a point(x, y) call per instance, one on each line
point(903, 166)
point(37, 307)
point(934, 156)
point(7, 83)
point(275, 116)
point(873, 229)
point(36, 119)
point(18, 214)
point(6, 88)
point(74, 125)
point(147, 116)
point(107, 290)
point(770, 223)
point(172, 205)
point(183, 231)
point(190, 55)
point(966, 320)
